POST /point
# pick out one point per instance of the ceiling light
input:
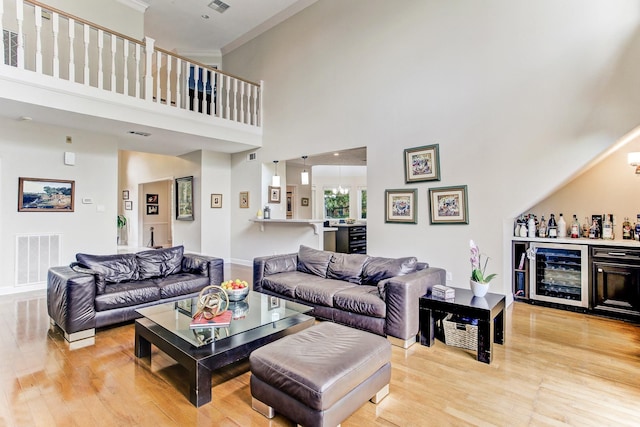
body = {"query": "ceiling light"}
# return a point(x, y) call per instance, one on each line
point(204, 16)
point(304, 176)
point(275, 181)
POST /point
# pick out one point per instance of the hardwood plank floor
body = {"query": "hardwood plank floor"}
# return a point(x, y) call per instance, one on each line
point(556, 368)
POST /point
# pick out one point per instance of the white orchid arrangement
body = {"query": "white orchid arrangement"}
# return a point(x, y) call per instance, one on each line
point(478, 270)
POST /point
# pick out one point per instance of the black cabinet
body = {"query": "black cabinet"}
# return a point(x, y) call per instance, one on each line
point(351, 239)
point(615, 275)
point(520, 266)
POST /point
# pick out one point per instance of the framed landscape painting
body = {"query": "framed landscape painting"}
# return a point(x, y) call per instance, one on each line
point(448, 205)
point(45, 195)
point(401, 206)
point(422, 163)
point(184, 198)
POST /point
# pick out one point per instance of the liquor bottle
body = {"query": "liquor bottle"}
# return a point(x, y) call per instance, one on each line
point(542, 228)
point(532, 226)
point(552, 229)
point(626, 229)
point(523, 228)
point(575, 227)
point(637, 228)
point(607, 227)
point(267, 212)
point(594, 230)
point(585, 227)
point(562, 227)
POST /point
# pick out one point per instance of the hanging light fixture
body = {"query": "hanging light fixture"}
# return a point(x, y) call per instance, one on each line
point(275, 181)
point(304, 176)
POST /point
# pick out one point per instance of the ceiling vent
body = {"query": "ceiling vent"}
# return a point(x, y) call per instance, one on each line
point(139, 133)
point(252, 156)
point(219, 6)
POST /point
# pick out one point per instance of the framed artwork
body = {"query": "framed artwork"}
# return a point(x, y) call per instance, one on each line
point(401, 206)
point(304, 201)
point(152, 199)
point(274, 194)
point(184, 198)
point(45, 195)
point(125, 194)
point(274, 302)
point(244, 199)
point(152, 209)
point(422, 163)
point(448, 205)
point(216, 200)
point(128, 205)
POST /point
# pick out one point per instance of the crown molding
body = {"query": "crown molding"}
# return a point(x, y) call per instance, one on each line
point(137, 5)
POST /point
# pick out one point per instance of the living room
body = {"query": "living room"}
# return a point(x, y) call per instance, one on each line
point(531, 91)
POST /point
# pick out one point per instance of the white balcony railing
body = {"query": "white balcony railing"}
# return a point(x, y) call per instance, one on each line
point(51, 42)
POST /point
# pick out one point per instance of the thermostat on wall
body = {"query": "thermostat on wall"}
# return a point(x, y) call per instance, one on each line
point(87, 200)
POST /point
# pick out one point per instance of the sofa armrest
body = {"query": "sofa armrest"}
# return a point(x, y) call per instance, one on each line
point(267, 265)
point(205, 266)
point(70, 299)
point(402, 294)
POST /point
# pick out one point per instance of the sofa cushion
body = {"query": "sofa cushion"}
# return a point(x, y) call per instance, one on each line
point(195, 264)
point(127, 294)
point(346, 267)
point(286, 283)
point(313, 261)
point(321, 293)
point(363, 300)
point(180, 284)
point(114, 268)
point(379, 268)
point(159, 262)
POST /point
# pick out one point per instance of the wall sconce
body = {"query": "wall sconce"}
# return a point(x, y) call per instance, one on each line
point(634, 160)
point(304, 176)
point(275, 181)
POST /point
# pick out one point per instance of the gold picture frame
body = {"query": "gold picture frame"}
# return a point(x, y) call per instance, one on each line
point(244, 200)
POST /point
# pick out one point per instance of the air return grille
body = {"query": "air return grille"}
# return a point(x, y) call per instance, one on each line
point(34, 255)
point(219, 6)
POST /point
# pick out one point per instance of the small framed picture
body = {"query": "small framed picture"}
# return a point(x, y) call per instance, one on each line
point(152, 198)
point(128, 205)
point(216, 200)
point(448, 205)
point(304, 201)
point(152, 209)
point(401, 206)
point(125, 194)
point(274, 302)
point(244, 199)
point(422, 163)
point(274, 194)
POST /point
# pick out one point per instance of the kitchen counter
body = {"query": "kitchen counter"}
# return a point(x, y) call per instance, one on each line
point(581, 241)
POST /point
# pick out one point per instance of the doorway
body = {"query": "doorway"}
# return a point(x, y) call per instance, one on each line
point(155, 213)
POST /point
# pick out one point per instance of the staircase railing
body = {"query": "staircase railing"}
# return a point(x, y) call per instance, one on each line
point(47, 41)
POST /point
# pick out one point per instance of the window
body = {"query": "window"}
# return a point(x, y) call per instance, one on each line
point(363, 203)
point(336, 205)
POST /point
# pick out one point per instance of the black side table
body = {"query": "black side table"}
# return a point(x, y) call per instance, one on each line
point(489, 310)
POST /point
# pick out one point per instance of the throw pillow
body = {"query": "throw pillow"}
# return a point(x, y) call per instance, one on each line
point(346, 267)
point(313, 261)
point(379, 268)
point(159, 262)
point(114, 268)
point(195, 265)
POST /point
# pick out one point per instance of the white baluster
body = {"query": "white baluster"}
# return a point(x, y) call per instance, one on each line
point(169, 59)
point(55, 22)
point(72, 65)
point(113, 62)
point(179, 102)
point(227, 108)
point(220, 92)
point(260, 91)
point(86, 53)
point(2, 32)
point(125, 71)
point(242, 115)
point(157, 73)
point(20, 19)
point(136, 55)
point(148, 78)
point(255, 106)
point(235, 100)
point(100, 65)
point(38, 23)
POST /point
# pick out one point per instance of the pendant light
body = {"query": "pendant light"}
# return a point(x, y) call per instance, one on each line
point(275, 181)
point(304, 176)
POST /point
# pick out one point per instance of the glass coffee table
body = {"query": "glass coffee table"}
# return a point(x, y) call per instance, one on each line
point(258, 320)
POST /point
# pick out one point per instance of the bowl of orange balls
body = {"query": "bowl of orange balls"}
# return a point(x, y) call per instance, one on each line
point(237, 290)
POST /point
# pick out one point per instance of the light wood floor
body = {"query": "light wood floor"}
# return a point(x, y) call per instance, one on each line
point(556, 368)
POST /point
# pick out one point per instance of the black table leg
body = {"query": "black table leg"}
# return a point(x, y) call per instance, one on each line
point(485, 341)
point(427, 327)
point(142, 347)
point(199, 385)
point(499, 321)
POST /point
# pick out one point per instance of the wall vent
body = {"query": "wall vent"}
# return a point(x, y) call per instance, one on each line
point(219, 6)
point(35, 254)
point(252, 156)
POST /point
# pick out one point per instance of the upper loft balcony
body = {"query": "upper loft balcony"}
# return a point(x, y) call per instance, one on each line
point(67, 71)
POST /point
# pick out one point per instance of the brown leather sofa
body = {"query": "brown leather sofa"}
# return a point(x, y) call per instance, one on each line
point(375, 294)
point(101, 290)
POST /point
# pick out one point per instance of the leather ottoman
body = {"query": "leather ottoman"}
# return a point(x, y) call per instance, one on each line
point(320, 376)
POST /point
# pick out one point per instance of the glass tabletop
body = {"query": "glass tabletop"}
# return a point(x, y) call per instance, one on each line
point(254, 311)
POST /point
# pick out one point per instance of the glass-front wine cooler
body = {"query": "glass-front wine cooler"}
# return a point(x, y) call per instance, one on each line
point(559, 273)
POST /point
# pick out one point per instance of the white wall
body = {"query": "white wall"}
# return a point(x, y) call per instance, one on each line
point(519, 95)
point(216, 179)
point(30, 149)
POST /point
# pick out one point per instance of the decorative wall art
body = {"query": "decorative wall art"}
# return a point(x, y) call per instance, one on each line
point(401, 206)
point(274, 194)
point(184, 198)
point(152, 199)
point(125, 194)
point(244, 199)
point(216, 200)
point(152, 210)
point(422, 163)
point(304, 201)
point(448, 205)
point(45, 195)
point(128, 205)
